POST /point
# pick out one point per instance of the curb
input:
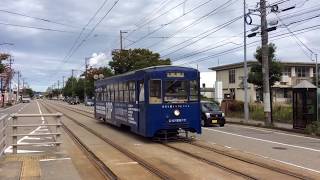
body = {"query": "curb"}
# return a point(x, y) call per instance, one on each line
point(275, 128)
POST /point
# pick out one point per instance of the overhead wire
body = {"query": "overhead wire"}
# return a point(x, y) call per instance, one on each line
point(38, 28)
point(210, 32)
point(153, 19)
point(170, 22)
point(37, 18)
point(91, 31)
point(252, 44)
point(198, 20)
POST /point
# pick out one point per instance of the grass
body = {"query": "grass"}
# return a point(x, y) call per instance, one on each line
point(281, 113)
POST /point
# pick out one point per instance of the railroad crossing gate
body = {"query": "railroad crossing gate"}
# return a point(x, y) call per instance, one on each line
point(304, 104)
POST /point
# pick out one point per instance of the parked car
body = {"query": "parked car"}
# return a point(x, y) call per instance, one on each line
point(26, 99)
point(74, 100)
point(89, 102)
point(211, 114)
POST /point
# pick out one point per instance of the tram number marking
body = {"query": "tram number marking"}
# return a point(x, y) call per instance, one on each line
point(177, 120)
point(175, 74)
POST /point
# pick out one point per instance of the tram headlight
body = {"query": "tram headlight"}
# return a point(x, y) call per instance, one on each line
point(176, 112)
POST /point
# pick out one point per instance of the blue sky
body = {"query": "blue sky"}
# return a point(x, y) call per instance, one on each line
point(40, 54)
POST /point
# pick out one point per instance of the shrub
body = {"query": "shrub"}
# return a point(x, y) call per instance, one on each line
point(235, 106)
point(313, 128)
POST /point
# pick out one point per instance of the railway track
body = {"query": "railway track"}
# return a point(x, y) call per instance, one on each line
point(154, 170)
point(220, 152)
point(256, 163)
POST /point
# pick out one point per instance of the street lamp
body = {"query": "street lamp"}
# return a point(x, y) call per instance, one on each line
point(98, 76)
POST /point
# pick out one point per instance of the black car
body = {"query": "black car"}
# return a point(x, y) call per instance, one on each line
point(211, 114)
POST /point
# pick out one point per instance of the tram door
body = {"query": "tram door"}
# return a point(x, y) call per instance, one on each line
point(141, 105)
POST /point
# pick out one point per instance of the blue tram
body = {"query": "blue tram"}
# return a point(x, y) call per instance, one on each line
point(151, 101)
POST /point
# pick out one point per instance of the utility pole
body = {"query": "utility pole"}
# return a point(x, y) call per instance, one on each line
point(58, 89)
point(265, 63)
point(85, 79)
point(18, 91)
point(121, 38)
point(10, 80)
point(63, 82)
point(245, 77)
point(72, 81)
point(317, 85)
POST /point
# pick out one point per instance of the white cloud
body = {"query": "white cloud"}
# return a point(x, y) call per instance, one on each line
point(98, 60)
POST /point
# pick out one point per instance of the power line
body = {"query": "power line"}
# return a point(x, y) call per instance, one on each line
point(73, 50)
point(214, 30)
point(93, 29)
point(39, 28)
point(252, 44)
point(299, 42)
point(148, 20)
point(36, 18)
point(83, 29)
point(162, 5)
point(170, 22)
point(197, 21)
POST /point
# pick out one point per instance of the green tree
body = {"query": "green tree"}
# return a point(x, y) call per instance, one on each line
point(275, 69)
point(133, 59)
point(70, 87)
point(29, 92)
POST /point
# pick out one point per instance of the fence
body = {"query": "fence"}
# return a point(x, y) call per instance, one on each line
point(55, 134)
point(3, 136)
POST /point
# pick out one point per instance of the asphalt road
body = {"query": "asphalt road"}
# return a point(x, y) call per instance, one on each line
point(26, 108)
point(294, 149)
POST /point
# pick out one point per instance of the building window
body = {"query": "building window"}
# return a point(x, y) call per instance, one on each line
point(301, 71)
point(232, 76)
point(286, 71)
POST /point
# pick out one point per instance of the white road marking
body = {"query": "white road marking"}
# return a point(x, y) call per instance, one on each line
point(284, 162)
point(23, 151)
point(57, 159)
point(33, 138)
point(127, 163)
point(263, 140)
point(9, 149)
point(3, 116)
point(276, 132)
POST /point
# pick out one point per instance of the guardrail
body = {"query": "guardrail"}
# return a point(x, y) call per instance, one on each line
point(3, 135)
point(56, 134)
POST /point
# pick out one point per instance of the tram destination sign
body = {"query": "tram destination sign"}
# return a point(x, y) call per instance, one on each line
point(175, 74)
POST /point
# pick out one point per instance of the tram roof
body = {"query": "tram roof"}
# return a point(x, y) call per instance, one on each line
point(148, 69)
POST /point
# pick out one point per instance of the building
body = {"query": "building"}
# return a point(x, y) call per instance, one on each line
point(207, 81)
point(293, 73)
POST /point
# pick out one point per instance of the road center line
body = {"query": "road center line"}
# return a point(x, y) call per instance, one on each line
point(276, 132)
point(263, 140)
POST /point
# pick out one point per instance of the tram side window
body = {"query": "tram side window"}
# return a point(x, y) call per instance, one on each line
point(116, 94)
point(126, 92)
point(112, 93)
point(194, 90)
point(155, 92)
point(120, 92)
point(141, 91)
point(132, 91)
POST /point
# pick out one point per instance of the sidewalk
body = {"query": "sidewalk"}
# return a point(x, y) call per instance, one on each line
point(258, 123)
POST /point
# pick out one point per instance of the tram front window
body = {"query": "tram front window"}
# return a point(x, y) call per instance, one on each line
point(176, 91)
